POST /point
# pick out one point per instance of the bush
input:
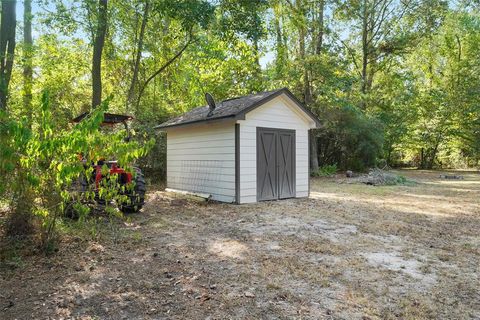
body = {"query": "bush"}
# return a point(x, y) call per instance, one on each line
point(349, 138)
point(401, 179)
point(325, 171)
point(39, 165)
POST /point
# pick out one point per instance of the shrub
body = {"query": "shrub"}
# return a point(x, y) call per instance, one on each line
point(349, 138)
point(40, 165)
point(326, 171)
point(401, 179)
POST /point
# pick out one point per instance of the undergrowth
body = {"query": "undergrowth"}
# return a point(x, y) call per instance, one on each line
point(325, 171)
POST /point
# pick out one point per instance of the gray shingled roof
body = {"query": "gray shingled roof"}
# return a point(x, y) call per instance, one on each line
point(231, 108)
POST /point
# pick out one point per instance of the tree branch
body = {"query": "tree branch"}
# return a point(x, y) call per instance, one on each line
point(351, 53)
point(138, 55)
point(162, 68)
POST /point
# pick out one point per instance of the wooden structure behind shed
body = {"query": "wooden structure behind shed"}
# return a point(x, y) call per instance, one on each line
point(109, 119)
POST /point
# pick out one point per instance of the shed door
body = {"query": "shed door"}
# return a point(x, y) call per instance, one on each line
point(275, 164)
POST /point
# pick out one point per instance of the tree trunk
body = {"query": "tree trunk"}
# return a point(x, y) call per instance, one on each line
point(307, 96)
point(97, 53)
point(319, 44)
point(433, 155)
point(313, 151)
point(27, 57)
point(256, 49)
point(258, 68)
point(318, 49)
point(278, 43)
point(136, 67)
point(365, 52)
point(7, 47)
point(285, 39)
point(422, 159)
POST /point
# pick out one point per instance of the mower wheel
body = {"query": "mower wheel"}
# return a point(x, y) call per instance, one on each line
point(136, 196)
point(78, 187)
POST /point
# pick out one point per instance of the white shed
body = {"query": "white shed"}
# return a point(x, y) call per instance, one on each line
point(242, 150)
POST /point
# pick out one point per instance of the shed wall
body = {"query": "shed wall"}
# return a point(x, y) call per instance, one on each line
point(201, 158)
point(277, 113)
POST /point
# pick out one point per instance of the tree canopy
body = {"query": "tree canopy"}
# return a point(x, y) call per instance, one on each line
point(393, 81)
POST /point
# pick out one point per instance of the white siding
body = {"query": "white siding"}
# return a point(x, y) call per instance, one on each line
point(278, 113)
point(201, 158)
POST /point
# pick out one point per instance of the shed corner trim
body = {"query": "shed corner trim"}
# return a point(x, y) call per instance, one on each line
point(237, 163)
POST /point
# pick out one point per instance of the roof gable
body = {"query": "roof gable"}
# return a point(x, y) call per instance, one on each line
point(279, 111)
point(235, 108)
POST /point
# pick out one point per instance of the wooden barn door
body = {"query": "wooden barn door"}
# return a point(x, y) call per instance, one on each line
point(286, 163)
point(275, 164)
point(267, 164)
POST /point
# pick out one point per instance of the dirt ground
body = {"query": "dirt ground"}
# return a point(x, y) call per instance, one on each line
point(350, 251)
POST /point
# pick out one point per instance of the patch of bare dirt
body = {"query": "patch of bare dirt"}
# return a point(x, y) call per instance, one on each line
point(348, 252)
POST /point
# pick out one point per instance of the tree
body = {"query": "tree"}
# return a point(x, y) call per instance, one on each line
point(98, 44)
point(7, 47)
point(244, 18)
point(378, 36)
point(279, 35)
point(447, 103)
point(27, 58)
point(309, 42)
point(320, 28)
point(138, 55)
point(189, 16)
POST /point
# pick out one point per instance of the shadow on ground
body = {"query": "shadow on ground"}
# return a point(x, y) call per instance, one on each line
point(348, 252)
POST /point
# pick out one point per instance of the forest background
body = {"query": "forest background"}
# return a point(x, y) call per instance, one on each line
point(395, 82)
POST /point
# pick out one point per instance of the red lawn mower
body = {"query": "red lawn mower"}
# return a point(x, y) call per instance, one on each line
point(129, 184)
